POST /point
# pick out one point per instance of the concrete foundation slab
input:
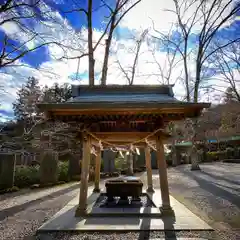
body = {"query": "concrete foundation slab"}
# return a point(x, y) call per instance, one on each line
point(65, 219)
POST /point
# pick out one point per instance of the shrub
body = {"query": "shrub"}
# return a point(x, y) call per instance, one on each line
point(215, 156)
point(26, 176)
point(63, 171)
point(118, 163)
point(212, 156)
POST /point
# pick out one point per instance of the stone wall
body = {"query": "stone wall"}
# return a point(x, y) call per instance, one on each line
point(154, 159)
point(49, 167)
point(7, 170)
point(74, 166)
point(109, 161)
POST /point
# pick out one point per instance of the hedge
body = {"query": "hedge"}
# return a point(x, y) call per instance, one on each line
point(26, 176)
point(63, 173)
point(229, 153)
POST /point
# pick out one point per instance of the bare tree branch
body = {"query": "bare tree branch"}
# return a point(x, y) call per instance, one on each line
point(138, 43)
point(113, 23)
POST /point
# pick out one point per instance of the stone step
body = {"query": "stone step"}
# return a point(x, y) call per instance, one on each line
point(125, 212)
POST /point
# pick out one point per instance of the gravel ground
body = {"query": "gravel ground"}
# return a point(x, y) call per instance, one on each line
point(26, 195)
point(213, 194)
point(23, 214)
point(129, 236)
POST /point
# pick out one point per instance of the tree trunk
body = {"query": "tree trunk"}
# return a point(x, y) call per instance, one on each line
point(194, 154)
point(185, 63)
point(91, 61)
point(107, 50)
point(194, 157)
point(174, 156)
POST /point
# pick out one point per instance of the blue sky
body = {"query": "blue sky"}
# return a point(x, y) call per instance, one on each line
point(69, 28)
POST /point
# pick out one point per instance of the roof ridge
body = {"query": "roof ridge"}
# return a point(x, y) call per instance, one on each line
point(78, 90)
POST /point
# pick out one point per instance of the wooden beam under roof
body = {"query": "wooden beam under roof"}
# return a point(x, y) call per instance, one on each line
point(101, 117)
point(127, 137)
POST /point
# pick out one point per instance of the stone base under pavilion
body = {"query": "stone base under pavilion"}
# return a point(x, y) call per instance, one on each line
point(120, 219)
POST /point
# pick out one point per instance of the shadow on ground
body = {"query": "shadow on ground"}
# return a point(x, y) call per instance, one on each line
point(8, 212)
point(214, 189)
point(215, 198)
point(220, 178)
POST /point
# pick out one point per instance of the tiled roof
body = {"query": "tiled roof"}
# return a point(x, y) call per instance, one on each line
point(124, 98)
point(123, 94)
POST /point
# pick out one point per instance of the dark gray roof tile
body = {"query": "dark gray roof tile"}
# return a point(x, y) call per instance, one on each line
point(124, 98)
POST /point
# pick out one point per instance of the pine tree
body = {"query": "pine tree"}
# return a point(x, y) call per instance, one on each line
point(25, 106)
point(57, 93)
point(229, 96)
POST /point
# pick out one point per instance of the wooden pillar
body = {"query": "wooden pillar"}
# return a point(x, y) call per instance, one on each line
point(162, 168)
point(149, 169)
point(81, 210)
point(97, 171)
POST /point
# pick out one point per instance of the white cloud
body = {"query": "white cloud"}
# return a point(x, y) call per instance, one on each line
point(159, 12)
point(147, 12)
point(60, 30)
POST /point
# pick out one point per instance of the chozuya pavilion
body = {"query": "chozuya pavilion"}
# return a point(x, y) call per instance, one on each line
point(123, 117)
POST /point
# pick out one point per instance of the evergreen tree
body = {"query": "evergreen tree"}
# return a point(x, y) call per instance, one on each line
point(25, 106)
point(57, 93)
point(229, 96)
